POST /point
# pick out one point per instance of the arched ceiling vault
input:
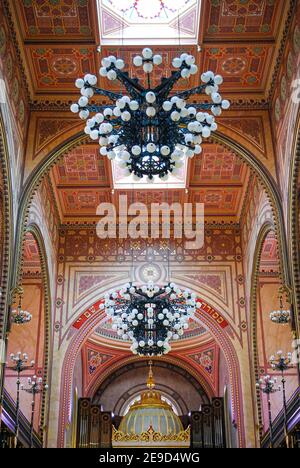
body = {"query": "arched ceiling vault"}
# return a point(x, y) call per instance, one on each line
point(220, 176)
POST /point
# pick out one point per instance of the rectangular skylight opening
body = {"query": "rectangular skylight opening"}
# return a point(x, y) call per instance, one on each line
point(149, 22)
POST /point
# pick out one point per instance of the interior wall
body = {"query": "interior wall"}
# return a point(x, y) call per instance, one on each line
point(29, 338)
point(270, 339)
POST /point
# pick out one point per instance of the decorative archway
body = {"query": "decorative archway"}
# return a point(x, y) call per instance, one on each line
point(265, 230)
point(101, 378)
point(132, 363)
point(240, 151)
point(264, 291)
point(262, 174)
point(36, 233)
point(6, 230)
point(94, 320)
point(36, 335)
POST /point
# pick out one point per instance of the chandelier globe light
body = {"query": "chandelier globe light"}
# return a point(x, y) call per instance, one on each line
point(18, 315)
point(150, 131)
point(150, 316)
point(281, 316)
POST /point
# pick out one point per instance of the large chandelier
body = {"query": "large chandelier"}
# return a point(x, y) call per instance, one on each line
point(150, 131)
point(150, 316)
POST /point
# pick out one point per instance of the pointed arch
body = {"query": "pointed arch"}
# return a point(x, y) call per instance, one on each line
point(294, 224)
point(244, 154)
point(7, 242)
point(35, 231)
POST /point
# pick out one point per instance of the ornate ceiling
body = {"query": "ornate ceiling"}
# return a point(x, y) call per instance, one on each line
point(82, 180)
point(59, 42)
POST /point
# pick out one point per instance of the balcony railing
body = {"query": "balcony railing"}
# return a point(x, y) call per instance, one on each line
point(9, 418)
point(293, 420)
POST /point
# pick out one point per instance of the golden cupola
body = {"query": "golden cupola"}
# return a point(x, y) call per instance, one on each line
point(151, 421)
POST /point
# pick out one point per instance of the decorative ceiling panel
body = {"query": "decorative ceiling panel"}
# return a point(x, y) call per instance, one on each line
point(82, 166)
point(227, 30)
point(57, 19)
point(244, 68)
point(225, 200)
point(147, 197)
point(217, 165)
point(237, 19)
point(82, 202)
point(55, 69)
point(31, 256)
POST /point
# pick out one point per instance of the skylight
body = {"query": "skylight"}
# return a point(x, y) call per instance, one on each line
point(138, 22)
point(122, 181)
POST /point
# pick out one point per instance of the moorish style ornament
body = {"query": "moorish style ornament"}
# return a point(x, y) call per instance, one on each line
point(150, 131)
point(150, 316)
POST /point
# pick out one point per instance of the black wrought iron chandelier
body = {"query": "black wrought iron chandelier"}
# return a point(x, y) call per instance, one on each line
point(150, 316)
point(149, 132)
point(18, 315)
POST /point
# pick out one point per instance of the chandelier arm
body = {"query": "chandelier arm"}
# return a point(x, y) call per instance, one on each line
point(167, 85)
point(95, 108)
point(132, 85)
point(190, 92)
point(104, 92)
point(206, 106)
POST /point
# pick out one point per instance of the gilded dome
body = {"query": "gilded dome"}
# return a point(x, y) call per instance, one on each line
point(151, 412)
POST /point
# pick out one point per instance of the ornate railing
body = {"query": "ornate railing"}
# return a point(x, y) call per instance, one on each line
point(8, 425)
point(293, 422)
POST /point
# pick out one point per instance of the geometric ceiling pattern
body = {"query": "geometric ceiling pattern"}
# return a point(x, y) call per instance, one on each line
point(59, 40)
point(82, 179)
point(250, 18)
point(57, 19)
point(83, 165)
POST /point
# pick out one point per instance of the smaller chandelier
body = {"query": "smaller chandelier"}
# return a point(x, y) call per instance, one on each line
point(18, 315)
point(150, 316)
point(268, 385)
point(281, 362)
point(281, 316)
